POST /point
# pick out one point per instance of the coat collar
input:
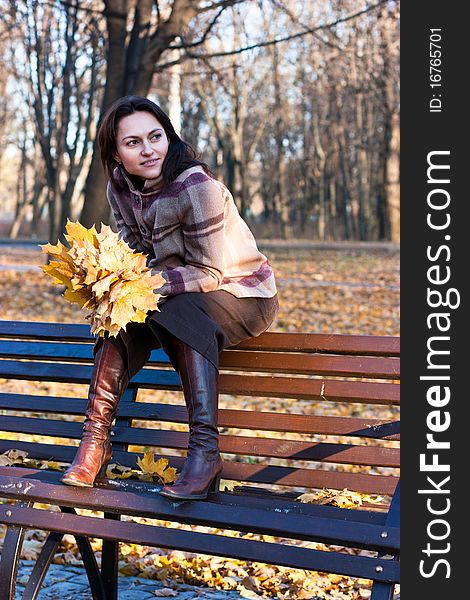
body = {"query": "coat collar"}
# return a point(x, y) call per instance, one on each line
point(151, 186)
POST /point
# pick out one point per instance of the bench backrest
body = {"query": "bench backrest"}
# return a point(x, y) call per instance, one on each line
point(353, 377)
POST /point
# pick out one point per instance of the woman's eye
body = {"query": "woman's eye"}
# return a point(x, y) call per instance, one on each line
point(157, 136)
point(131, 143)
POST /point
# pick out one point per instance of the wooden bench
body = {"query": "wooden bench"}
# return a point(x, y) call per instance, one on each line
point(315, 369)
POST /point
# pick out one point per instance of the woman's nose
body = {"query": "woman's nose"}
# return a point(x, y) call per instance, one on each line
point(146, 148)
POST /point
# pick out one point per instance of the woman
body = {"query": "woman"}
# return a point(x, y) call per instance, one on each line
point(219, 289)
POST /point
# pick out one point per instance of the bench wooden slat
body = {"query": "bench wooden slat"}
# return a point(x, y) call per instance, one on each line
point(75, 332)
point(55, 351)
point(236, 471)
point(272, 500)
point(242, 419)
point(307, 389)
point(148, 503)
point(191, 541)
point(339, 366)
point(307, 367)
point(270, 341)
point(319, 342)
point(262, 385)
point(177, 440)
point(319, 364)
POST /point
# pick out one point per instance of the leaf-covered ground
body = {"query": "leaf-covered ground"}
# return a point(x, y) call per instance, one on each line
point(330, 291)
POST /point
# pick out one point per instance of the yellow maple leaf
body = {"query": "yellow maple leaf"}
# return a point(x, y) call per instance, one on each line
point(81, 297)
point(344, 498)
point(105, 276)
point(140, 316)
point(53, 465)
point(150, 467)
point(59, 251)
point(60, 275)
point(122, 312)
point(93, 274)
point(116, 290)
point(103, 285)
point(228, 486)
point(76, 231)
point(116, 471)
point(12, 457)
point(169, 475)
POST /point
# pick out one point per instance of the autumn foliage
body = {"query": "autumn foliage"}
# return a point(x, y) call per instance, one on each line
point(104, 275)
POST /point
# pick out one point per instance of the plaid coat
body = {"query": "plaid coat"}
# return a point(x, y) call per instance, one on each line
point(193, 233)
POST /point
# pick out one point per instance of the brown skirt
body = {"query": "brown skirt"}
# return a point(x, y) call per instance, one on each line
point(206, 321)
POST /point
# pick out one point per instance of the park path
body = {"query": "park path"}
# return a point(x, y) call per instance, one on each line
point(25, 248)
point(71, 583)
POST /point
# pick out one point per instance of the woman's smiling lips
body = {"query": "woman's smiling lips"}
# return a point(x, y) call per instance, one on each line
point(150, 163)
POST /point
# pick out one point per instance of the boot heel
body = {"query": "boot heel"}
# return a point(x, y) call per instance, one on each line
point(102, 472)
point(214, 486)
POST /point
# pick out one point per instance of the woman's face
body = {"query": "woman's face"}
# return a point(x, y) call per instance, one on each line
point(141, 144)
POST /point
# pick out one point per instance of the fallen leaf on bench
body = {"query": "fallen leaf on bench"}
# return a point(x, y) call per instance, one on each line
point(165, 592)
point(12, 457)
point(115, 471)
point(53, 465)
point(343, 499)
point(227, 486)
point(160, 468)
point(104, 275)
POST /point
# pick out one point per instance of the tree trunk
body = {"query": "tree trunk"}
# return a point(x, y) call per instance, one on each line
point(280, 159)
point(175, 95)
point(140, 57)
point(392, 181)
point(95, 207)
point(391, 126)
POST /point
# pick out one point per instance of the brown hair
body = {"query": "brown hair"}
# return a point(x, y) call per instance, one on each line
point(180, 155)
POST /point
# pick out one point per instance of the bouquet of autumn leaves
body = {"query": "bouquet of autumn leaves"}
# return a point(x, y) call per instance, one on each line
point(104, 275)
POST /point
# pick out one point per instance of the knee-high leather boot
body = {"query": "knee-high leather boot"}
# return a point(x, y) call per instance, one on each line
point(201, 472)
point(108, 382)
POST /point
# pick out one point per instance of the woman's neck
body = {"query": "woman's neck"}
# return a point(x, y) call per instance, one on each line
point(138, 182)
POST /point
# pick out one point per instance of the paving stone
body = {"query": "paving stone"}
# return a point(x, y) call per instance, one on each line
point(81, 579)
point(65, 582)
point(59, 590)
point(135, 595)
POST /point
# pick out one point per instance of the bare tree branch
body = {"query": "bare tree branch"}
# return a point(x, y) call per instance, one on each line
point(222, 4)
point(190, 55)
point(294, 19)
point(204, 36)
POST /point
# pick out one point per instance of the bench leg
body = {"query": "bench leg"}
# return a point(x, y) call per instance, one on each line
point(89, 561)
point(91, 566)
point(382, 591)
point(11, 553)
point(109, 563)
point(42, 564)
point(10, 560)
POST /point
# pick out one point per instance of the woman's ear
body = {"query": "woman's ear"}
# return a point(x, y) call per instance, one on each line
point(117, 159)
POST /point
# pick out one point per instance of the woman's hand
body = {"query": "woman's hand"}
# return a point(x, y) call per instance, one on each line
point(163, 290)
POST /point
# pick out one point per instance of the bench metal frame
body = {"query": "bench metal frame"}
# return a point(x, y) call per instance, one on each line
point(316, 367)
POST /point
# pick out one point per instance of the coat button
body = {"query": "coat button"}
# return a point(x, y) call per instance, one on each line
point(143, 230)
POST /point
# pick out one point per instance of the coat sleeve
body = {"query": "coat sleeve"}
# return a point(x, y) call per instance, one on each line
point(201, 211)
point(124, 227)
